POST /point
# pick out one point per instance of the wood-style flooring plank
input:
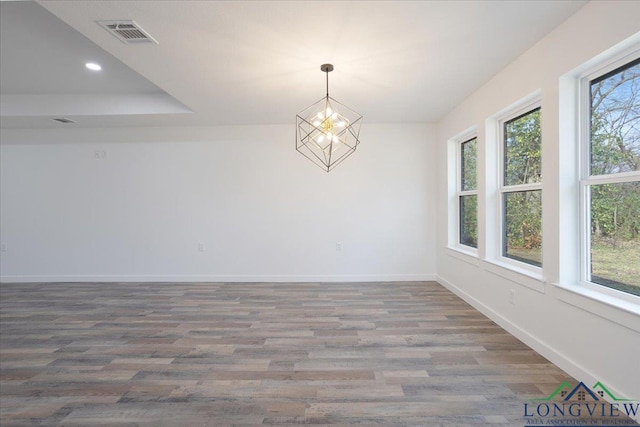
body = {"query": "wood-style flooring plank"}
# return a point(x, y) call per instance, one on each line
point(223, 354)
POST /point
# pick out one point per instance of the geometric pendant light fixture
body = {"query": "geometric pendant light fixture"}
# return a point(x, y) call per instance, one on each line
point(327, 132)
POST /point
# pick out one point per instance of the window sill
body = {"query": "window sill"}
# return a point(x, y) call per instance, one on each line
point(617, 310)
point(466, 255)
point(522, 276)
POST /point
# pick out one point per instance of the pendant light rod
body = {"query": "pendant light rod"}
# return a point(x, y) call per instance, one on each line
point(327, 68)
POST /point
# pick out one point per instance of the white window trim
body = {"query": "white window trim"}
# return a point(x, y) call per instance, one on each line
point(513, 271)
point(528, 104)
point(610, 304)
point(590, 289)
point(521, 273)
point(457, 249)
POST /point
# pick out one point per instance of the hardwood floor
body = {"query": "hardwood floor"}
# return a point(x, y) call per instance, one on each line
point(248, 354)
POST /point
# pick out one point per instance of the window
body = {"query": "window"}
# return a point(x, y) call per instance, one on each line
point(468, 194)
point(610, 184)
point(462, 192)
point(521, 188)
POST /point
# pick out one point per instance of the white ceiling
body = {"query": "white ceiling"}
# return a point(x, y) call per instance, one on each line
point(257, 62)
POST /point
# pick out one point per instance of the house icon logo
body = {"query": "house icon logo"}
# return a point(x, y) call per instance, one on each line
point(582, 393)
point(571, 404)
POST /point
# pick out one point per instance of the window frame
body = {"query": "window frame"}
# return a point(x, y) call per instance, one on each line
point(461, 193)
point(517, 112)
point(464, 253)
point(602, 70)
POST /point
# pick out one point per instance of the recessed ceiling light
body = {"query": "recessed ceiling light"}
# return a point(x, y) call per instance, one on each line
point(93, 66)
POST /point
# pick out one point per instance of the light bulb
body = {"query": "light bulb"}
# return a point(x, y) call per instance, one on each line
point(321, 138)
point(320, 116)
point(329, 111)
point(340, 124)
point(316, 123)
point(336, 139)
point(334, 116)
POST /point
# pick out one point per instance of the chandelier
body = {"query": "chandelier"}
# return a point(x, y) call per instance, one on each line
point(327, 131)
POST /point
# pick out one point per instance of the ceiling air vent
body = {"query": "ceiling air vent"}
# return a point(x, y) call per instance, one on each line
point(127, 32)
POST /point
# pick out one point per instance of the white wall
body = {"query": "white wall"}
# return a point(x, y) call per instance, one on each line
point(589, 339)
point(262, 211)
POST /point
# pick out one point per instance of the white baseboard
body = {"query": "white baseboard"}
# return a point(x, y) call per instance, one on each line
point(562, 361)
point(191, 278)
